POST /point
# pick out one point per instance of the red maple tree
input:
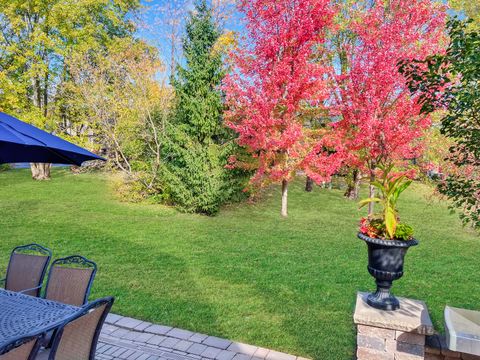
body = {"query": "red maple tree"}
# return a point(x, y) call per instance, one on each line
point(273, 78)
point(379, 121)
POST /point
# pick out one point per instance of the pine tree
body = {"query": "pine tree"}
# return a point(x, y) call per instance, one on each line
point(197, 144)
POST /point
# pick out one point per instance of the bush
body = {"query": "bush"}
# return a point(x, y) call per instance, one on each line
point(196, 177)
point(5, 167)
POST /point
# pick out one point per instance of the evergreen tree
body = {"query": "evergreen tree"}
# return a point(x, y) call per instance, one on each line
point(197, 144)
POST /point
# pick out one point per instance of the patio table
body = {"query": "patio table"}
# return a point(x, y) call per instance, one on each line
point(24, 315)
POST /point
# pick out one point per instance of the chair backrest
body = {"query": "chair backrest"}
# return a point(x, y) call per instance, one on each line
point(77, 339)
point(27, 267)
point(70, 279)
point(21, 349)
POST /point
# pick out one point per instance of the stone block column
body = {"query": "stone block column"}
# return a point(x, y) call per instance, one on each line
point(392, 335)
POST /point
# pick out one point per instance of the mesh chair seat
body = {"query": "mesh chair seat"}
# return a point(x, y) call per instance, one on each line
point(77, 340)
point(23, 349)
point(26, 269)
point(70, 280)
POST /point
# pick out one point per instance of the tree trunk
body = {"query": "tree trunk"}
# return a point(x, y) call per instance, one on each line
point(309, 184)
point(284, 198)
point(172, 52)
point(371, 193)
point(353, 185)
point(40, 171)
point(45, 96)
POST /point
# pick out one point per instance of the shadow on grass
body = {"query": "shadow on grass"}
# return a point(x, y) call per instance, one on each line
point(164, 291)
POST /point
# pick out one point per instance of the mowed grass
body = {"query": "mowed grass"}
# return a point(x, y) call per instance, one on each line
point(246, 274)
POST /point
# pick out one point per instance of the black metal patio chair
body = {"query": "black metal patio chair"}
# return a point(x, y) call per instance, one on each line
point(21, 349)
point(70, 280)
point(26, 269)
point(77, 339)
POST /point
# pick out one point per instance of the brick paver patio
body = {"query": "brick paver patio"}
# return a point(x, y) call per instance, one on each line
point(131, 339)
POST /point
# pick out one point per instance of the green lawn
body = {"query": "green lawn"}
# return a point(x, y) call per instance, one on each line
point(247, 274)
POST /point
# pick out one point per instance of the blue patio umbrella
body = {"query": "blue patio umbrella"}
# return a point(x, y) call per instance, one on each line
point(22, 142)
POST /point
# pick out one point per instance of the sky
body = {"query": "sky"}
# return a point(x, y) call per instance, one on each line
point(157, 18)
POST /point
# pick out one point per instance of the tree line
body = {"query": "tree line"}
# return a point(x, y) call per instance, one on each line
point(308, 86)
point(78, 69)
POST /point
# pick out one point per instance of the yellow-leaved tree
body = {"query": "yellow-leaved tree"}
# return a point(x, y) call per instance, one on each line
point(125, 107)
point(469, 8)
point(38, 38)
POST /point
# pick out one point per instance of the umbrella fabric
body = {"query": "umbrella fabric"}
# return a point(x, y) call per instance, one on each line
point(22, 142)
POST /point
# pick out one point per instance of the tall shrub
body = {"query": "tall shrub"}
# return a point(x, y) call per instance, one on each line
point(197, 144)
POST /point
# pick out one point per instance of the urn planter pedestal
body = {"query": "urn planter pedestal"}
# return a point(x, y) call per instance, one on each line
point(385, 264)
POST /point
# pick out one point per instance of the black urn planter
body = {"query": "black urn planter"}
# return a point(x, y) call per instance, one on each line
point(385, 264)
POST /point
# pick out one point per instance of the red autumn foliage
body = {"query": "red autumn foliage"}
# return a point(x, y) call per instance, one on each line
point(277, 72)
point(379, 122)
point(273, 78)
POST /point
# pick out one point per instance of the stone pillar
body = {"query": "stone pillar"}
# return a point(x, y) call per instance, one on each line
point(392, 335)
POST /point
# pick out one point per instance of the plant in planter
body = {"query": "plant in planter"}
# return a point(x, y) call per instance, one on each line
point(387, 238)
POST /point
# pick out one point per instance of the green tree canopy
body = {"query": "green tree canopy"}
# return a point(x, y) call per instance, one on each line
point(452, 82)
point(38, 38)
